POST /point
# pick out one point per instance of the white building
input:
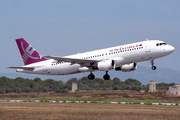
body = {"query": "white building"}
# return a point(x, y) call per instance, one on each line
point(74, 87)
point(152, 86)
point(174, 90)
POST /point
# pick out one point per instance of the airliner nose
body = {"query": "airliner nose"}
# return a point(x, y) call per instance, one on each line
point(170, 49)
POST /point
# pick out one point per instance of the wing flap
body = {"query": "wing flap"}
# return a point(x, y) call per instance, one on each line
point(72, 60)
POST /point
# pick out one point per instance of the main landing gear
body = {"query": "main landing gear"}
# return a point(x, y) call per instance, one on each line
point(152, 63)
point(106, 76)
point(91, 76)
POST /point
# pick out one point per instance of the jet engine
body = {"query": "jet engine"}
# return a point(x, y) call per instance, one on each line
point(127, 67)
point(105, 65)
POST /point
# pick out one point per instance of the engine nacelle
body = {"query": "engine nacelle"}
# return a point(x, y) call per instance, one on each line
point(105, 65)
point(127, 67)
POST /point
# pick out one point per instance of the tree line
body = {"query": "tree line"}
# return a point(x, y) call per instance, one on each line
point(19, 85)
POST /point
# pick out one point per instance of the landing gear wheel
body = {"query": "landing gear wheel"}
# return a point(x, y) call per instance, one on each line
point(152, 63)
point(91, 76)
point(106, 76)
point(153, 67)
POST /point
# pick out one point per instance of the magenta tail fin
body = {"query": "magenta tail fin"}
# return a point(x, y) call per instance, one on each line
point(28, 53)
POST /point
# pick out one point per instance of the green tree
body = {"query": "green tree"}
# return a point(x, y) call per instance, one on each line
point(107, 85)
point(131, 84)
point(116, 81)
point(37, 80)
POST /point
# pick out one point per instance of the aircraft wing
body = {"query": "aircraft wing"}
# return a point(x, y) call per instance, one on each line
point(24, 68)
point(72, 60)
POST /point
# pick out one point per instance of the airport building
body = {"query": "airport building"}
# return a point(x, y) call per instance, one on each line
point(152, 86)
point(74, 86)
point(174, 90)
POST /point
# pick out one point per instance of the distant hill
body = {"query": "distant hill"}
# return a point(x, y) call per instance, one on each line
point(143, 74)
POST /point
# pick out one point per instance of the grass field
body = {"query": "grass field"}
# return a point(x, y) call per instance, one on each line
point(45, 110)
point(125, 96)
point(85, 111)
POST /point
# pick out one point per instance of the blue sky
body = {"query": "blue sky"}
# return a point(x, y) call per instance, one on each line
point(64, 27)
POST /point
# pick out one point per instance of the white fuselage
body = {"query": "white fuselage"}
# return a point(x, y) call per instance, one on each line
point(125, 54)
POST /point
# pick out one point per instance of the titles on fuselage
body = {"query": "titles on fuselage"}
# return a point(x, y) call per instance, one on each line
point(126, 47)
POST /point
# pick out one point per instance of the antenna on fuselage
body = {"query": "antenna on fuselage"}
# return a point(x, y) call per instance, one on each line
point(147, 39)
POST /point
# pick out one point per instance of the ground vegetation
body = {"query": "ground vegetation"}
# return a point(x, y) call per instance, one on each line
point(8, 85)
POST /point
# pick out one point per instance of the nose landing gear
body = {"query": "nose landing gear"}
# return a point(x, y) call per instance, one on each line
point(153, 67)
point(152, 63)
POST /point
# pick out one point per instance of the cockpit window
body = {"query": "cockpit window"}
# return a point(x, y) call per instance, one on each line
point(164, 43)
point(159, 44)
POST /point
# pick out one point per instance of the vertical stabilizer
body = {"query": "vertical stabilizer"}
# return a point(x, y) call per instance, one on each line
point(28, 53)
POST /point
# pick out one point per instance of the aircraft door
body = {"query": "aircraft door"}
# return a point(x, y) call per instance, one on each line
point(147, 55)
point(45, 71)
point(147, 47)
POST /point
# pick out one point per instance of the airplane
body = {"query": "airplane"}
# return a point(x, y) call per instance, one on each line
point(121, 58)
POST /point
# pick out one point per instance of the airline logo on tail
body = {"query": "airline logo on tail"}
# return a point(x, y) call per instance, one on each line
point(28, 53)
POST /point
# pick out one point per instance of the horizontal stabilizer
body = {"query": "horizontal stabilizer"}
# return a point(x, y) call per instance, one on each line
point(24, 68)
